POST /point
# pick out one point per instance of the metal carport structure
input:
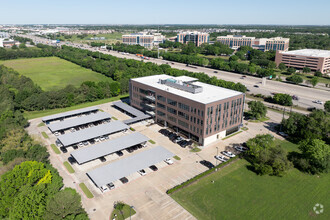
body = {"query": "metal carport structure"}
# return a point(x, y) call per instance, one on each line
point(69, 114)
point(124, 167)
point(108, 147)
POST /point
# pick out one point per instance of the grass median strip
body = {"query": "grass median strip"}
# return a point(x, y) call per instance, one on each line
point(86, 191)
point(68, 167)
point(122, 211)
point(195, 149)
point(41, 124)
point(55, 149)
point(44, 134)
point(151, 141)
point(177, 157)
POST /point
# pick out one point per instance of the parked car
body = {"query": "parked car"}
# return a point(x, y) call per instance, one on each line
point(104, 188)
point(240, 148)
point(56, 133)
point(80, 144)
point(75, 147)
point(168, 161)
point(123, 180)
point(142, 172)
point(221, 158)
point(102, 138)
point(119, 153)
point(71, 160)
point(294, 97)
point(206, 163)
point(63, 149)
point(256, 86)
point(102, 159)
point(215, 71)
point(85, 143)
point(111, 186)
point(96, 139)
point(72, 130)
point(153, 168)
point(179, 138)
point(228, 153)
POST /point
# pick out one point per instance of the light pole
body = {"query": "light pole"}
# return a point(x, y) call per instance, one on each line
point(130, 208)
point(216, 160)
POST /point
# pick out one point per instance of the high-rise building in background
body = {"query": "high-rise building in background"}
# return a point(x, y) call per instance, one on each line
point(264, 44)
point(198, 38)
point(316, 60)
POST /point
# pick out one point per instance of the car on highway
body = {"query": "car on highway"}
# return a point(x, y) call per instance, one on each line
point(142, 172)
point(294, 97)
point(124, 180)
point(318, 102)
point(206, 163)
point(256, 86)
point(153, 168)
point(221, 158)
point(228, 153)
point(168, 161)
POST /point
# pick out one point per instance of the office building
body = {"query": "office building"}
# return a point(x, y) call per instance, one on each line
point(202, 112)
point(143, 39)
point(198, 38)
point(264, 44)
point(316, 60)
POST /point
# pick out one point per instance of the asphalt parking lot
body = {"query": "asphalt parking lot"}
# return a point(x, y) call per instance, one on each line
point(146, 193)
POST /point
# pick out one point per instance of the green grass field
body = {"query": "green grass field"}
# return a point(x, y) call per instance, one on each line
point(52, 73)
point(125, 214)
point(238, 193)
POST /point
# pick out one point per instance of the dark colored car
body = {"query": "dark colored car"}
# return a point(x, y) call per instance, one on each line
point(208, 164)
point(153, 168)
point(119, 153)
point(72, 160)
point(102, 159)
point(75, 147)
point(256, 86)
point(63, 149)
point(123, 180)
point(129, 150)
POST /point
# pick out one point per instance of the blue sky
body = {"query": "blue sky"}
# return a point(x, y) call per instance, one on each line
point(294, 12)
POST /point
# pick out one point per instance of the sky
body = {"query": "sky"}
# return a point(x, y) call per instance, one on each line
point(279, 12)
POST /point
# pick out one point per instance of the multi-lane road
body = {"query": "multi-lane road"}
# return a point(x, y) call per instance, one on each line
point(305, 94)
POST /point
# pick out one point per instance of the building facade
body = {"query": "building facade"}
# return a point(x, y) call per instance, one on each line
point(143, 39)
point(264, 44)
point(202, 112)
point(316, 60)
point(198, 38)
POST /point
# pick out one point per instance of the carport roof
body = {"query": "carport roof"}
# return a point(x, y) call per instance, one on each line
point(124, 167)
point(73, 122)
point(99, 150)
point(69, 113)
point(89, 133)
point(128, 108)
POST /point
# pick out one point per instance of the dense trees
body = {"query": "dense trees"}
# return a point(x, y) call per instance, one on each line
point(265, 157)
point(257, 109)
point(295, 79)
point(327, 106)
point(282, 99)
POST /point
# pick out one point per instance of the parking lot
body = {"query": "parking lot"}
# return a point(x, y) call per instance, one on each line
point(146, 193)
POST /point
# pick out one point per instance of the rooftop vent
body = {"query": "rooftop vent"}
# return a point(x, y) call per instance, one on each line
point(185, 86)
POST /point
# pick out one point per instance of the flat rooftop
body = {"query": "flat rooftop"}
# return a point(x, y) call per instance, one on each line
point(125, 167)
point(93, 132)
point(108, 147)
point(73, 122)
point(309, 53)
point(209, 94)
point(69, 113)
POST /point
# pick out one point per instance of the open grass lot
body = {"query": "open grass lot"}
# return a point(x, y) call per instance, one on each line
point(124, 214)
point(52, 73)
point(238, 193)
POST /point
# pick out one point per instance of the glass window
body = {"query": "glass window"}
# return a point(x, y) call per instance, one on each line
point(171, 110)
point(171, 102)
point(161, 98)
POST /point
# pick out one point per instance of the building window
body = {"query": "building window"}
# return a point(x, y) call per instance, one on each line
point(171, 102)
point(183, 115)
point(160, 113)
point(183, 106)
point(160, 105)
point(171, 110)
point(183, 124)
point(171, 118)
point(161, 98)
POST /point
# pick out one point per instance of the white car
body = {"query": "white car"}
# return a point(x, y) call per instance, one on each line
point(104, 188)
point(240, 148)
point(111, 186)
point(318, 102)
point(142, 172)
point(221, 158)
point(56, 133)
point(228, 154)
point(72, 130)
point(96, 139)
point(168, 161)
point(102, 138)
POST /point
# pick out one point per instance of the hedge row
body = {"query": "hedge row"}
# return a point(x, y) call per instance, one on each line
point(199, 176)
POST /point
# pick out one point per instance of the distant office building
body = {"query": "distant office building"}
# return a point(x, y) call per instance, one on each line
point(202, 112)
point(235, 41)
point(316, 60)
point(9, 43)
point(198, 38)
point(264, 44)
point(143, 39)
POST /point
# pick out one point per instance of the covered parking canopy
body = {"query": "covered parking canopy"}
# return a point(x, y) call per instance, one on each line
point(73, 122)
point(137, 115)
point(69, 114)
point(124, 167)
point(93, 132)
point(99, 150)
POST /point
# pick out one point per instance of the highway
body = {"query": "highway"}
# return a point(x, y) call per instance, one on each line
point(305, 94)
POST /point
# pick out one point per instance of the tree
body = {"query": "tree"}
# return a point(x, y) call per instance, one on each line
point(14, 47)
point(257, 109)
point(282, 66)
point(271, 65)
point(282, 99)
point(314, 81)
point(306, 70)
point(291, 70)
point(317, 152)
point(233, 58)
point(327, 106)
point(295, 79)
point(22, 46)
point(65, 204)
point(318, 74)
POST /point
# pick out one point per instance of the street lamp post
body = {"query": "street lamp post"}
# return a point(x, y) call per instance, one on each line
point(216, 161)
point(130, 208)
